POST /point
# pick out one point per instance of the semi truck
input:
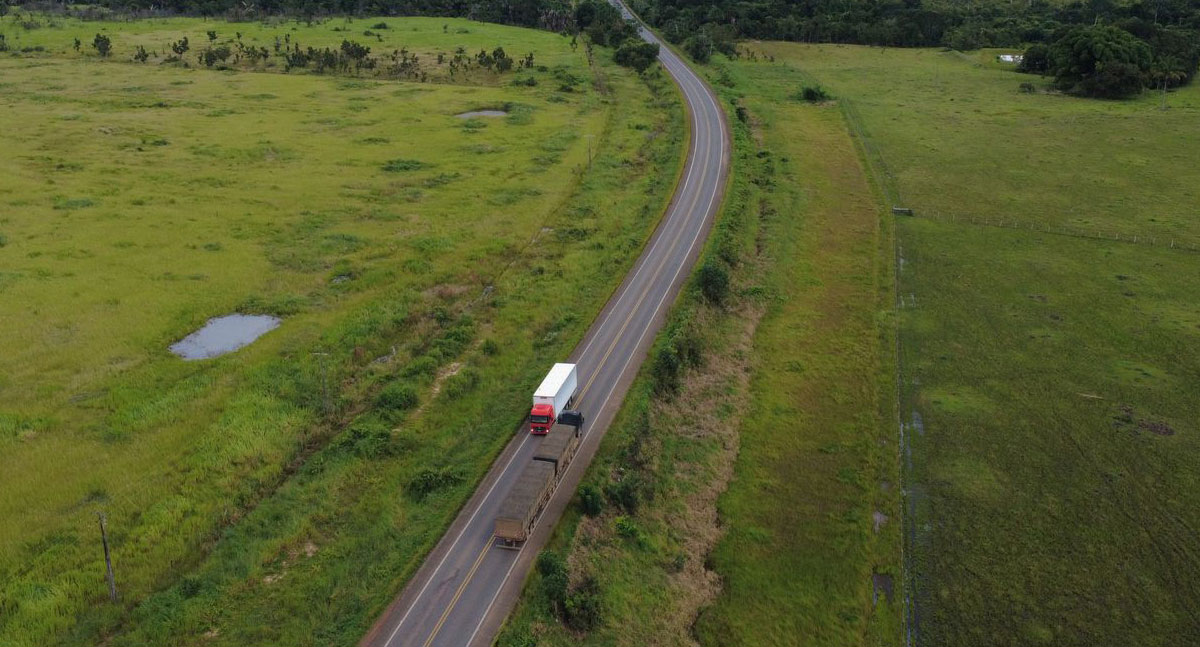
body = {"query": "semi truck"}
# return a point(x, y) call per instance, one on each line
point(553, 396)
point(519, 511)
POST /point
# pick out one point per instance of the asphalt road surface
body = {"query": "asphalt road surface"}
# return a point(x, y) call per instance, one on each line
point(468, 584)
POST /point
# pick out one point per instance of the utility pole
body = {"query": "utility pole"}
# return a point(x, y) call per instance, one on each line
point(112, 581)
point(589, 140)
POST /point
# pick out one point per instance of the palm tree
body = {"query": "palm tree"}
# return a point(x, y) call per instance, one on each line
point(1166, 71)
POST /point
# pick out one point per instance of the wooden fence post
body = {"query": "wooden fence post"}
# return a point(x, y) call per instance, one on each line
point(112, 582)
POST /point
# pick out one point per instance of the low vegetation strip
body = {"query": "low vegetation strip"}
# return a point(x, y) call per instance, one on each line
point(1048, 380)
point(272, 495)
point(810, 554)
point(777, 349)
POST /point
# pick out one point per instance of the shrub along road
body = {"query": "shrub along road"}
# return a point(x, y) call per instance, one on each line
point(467, 585)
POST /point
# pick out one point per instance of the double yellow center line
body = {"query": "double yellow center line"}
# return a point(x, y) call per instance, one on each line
point(582, 394)
point(457, 594)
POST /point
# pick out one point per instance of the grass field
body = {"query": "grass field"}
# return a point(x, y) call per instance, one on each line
point(804, 537)
point(789, 409)
point(420, 39)
point(1050, 380)
point(283, 493)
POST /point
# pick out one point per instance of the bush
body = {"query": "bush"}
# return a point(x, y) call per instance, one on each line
point(682, 349)
point(626, 493)
point(489, 347)
point(627, 528)
point(421, 366)
point(583, 610)
point(1035, 60)
point(699, 47)
point(103, 44)
point(591, 500)
point(369, 438)
point(428, 481)
point(637, 54)
point(190, 586)
point(379, 25)
point(214, 55)
point(814, 94)
point(665, 370)
point(461, 383)
point(553, 568)
point(714, 281)
point(400, 165)
point(397, 396)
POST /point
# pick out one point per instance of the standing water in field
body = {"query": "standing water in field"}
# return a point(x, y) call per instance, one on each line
point(481, 113)
point(224, 335)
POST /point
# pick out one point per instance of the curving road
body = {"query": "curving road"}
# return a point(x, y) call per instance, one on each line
point(467, 586)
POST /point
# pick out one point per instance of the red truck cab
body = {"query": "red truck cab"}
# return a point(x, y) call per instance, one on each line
point(541, 418)
point(554, 395)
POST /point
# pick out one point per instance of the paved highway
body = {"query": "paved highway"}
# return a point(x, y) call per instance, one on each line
point(468, 584)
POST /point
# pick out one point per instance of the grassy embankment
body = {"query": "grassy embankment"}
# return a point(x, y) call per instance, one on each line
point(1052, 381)
point(790, 405)
point(415, 249)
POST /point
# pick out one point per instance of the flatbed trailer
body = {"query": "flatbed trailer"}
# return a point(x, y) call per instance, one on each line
point(558, 448)
point(526, 499)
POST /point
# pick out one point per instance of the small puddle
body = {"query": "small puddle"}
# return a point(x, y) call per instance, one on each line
point(224, 335)
point(881, 584)
point(481, 113)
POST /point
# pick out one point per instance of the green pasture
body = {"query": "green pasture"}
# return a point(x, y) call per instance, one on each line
point(41, 35)
point(1050, 379)
point(960, 139)
point(283, 493)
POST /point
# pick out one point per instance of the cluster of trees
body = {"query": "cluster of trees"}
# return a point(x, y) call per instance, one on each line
point(1170, 29)
point(1113, 62)
point(579, 607)
point(554, 15)
point(604, 25)
point(350, 56)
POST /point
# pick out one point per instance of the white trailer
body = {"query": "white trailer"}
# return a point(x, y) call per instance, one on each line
point(556, 394)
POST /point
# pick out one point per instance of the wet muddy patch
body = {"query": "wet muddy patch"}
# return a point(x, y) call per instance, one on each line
point(223, 335)
point(881, 586)
point(481, 113)
point(1126, 419)
point(878, 519)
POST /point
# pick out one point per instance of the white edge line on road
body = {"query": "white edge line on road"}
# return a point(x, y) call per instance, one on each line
point(660, 235)
point(599, 329)
point(456, 540)
point(712, 198)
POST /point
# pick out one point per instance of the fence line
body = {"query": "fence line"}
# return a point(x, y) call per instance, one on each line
point(1154, 240)
point(915, 594)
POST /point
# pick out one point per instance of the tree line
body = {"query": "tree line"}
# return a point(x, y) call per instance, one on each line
point(1168, 32)
point(600, 21)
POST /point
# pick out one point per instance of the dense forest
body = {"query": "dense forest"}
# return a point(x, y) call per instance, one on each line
point(906, 23)
point(1091, 47)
